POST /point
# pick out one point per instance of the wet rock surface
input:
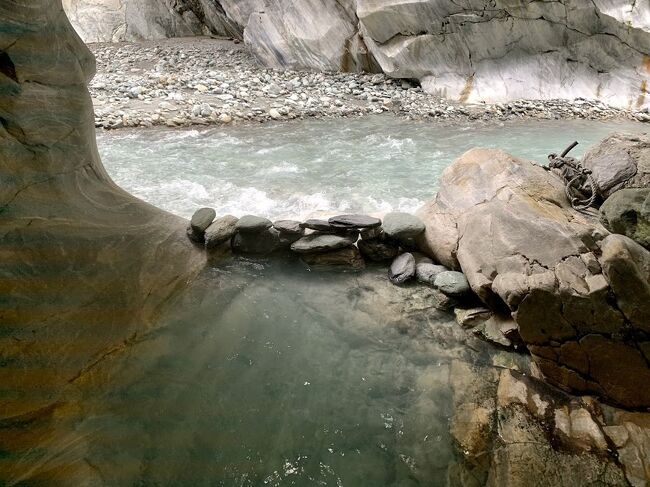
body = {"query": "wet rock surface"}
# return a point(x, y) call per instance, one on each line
point(627, 212)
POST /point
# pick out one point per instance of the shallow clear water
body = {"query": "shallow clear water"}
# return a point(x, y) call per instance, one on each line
point(305, 168)
point(267, 374)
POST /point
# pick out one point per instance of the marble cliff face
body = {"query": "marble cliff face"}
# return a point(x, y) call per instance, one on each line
point(472, 51)
point(81, 277)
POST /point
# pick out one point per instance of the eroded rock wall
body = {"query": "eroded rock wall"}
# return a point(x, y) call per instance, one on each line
point(472, 51)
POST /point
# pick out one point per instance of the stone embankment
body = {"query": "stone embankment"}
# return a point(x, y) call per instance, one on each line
point(203, 81)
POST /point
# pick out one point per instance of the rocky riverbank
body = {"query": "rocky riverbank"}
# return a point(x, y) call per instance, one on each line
point(204, 81)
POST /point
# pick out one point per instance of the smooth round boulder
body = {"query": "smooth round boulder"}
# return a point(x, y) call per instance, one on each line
point(355, 221)
point(452, 283)
point(322, 243)
point(402, 269)
point(426, 272)
point(220, 231)
point(378, 250)
point(288, 227)
point(253, 224)
point(402, 226)
point(201, 220)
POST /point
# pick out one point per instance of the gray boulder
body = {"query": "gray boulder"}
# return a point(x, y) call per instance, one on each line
point(402, 269)
point(201, 220)
point(253, 224)
point(627, 212)
point(575, 295)
point(452, 283)
point(620, 161)
point(322, 226)
point(402, 226)
point(289, 227)
point(220, 231)
point(322, 243)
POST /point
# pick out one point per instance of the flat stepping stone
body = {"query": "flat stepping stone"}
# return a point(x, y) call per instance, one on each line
point(289, 227)
point(402, 269)
point(201, 220)
point(220, 231)
point(452, 283)
point(402, 226)
point(322, 243)
point(355, 221)
point(253, 224)
point(321, 226)
point(348, 258)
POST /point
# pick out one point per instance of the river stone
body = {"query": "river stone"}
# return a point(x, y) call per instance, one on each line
point(346, 258)
point(355, 221)
point(286, 239)
point(261, 242)
point(369, 233)
point(221, 230)
point(377, 249)
point(402, 226)
point(253, 224)
point(201, 220)
point(426, 272)
point(288, 227)
point(402, 269)
point(452, 283)
point(322, 226)
point(620, 161)
point(627, 212)
point(322, 243)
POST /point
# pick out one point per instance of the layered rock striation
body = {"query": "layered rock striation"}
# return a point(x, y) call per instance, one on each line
point(478, 51)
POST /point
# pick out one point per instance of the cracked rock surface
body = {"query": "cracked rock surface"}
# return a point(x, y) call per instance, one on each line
point(579, 295)
point(476, 51)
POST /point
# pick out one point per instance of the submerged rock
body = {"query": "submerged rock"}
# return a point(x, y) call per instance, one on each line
point(253, 224)
point(322, 243)
point(627, 212)
point(452, 283)
point(346, 258)
point(220, 231)
point(402, 269)
point(402, 226)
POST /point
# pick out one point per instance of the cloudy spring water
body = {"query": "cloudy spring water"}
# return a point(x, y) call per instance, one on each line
point(307, 168)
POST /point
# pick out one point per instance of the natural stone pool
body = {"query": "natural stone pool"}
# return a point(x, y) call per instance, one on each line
point(305, 168)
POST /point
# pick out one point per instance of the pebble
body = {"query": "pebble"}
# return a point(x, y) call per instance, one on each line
point(181, 82)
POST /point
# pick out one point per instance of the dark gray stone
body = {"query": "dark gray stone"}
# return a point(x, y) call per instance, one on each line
point(627, 212)
point(288, 227)
point(369, 233)
point(253, 224)
point(402, 226)
point(402, 269)
point(355, 221)
point(378, 250)
point(452, 283)
point(322, 243)
point(201, 219)
point(322, 226)
point(426, 272)
point(261, 242)
point(220, 231)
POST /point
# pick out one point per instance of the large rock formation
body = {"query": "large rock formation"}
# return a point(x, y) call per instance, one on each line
point(81, 272)
point(579, 296)
point(480, 50)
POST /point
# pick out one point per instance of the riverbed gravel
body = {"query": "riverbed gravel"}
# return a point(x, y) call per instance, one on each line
point(205, 81)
